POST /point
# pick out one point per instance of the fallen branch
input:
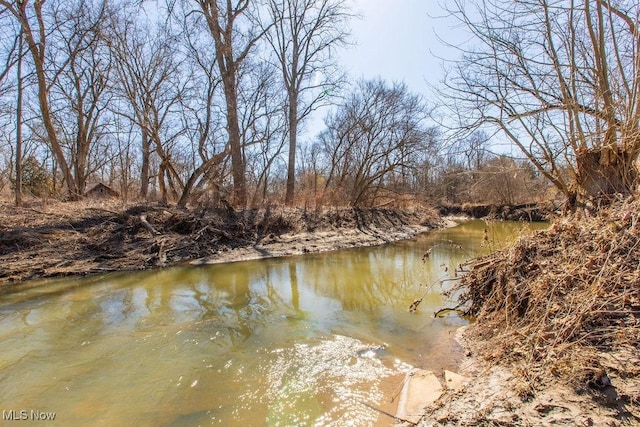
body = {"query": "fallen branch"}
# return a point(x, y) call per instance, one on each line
point(149, 227)
point(456, 309)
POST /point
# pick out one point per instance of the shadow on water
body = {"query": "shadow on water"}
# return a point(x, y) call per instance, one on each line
point(315, 339)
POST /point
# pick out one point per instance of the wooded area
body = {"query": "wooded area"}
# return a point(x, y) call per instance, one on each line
point(206, 102)
point(165, 132)
point(561, 80)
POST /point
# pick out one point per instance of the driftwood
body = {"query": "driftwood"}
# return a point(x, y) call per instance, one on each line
point(446, 310)
point(414, 305)
point(149, 227)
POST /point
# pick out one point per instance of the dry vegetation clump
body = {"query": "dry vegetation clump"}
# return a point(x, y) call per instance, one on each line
point(564, 305)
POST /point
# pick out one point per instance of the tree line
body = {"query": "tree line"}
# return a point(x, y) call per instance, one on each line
point(558, 79)
point(204, 101)
point(186, 97)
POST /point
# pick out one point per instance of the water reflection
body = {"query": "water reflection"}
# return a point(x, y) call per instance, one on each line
point(292, 341)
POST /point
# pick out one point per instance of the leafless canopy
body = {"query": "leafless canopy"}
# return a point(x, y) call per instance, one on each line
point(559, 79)
point(376, 140)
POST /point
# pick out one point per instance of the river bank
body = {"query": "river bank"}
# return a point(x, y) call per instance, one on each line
point(498, 394)
point(555, 341)
point(61, 239)
point(294, 340)
point(524, 212)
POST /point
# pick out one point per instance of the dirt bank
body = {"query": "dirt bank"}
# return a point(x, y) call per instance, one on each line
point(502, 395)
point(557, 336)
point(524, 212)
point(87, 237)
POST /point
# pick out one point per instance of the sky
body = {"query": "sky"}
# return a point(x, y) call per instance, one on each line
point(401, 41)
point(397, 40)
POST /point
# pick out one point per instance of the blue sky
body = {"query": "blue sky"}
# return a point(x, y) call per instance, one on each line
point(397, 40)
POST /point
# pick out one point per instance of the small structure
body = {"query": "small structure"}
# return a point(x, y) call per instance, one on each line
point(101, 190)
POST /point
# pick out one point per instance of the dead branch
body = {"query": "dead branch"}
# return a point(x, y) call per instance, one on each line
point(149, 227)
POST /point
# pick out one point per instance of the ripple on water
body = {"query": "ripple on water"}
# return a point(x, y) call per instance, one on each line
point(327, 383)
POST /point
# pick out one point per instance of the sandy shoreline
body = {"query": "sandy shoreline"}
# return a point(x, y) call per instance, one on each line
point(290, 244)
point(495, 395)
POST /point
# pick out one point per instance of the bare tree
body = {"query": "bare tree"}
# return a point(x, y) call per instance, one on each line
point(233, 39)
point(70, 64)
point(561, 80)
point(150, 90)
point(258, 109)
point(303, 37)
point(201, 114)
point(378, 131)
point(79, 92)
point(19, 119)
point(31, 17)
point(11, 55)
point(474, 149)
point(263, 124)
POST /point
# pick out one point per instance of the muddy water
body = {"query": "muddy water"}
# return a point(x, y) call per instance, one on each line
point(312, 340)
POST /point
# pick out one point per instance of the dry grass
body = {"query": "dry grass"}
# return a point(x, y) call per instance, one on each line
point(564, 305)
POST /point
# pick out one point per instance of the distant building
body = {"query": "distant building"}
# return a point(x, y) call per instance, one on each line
point(101, 190)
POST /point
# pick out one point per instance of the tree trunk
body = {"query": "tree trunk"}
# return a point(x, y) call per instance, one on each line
point(144, 173)
point(293, 137)
point(235, 142)
point(18, 189)
point(604, 171)
point(37, 52)
point(202, 170)
point(82, 154)
point(228, 64)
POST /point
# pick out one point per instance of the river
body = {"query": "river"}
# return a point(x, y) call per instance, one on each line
point(320, 339)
